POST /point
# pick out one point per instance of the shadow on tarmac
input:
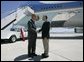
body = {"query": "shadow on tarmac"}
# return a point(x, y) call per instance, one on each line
point(25, 56)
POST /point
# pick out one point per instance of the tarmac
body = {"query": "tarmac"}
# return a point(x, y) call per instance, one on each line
point(59, 50)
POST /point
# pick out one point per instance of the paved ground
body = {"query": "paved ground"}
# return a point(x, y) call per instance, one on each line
point(59, 50)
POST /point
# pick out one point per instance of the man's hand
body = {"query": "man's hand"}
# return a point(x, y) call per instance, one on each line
point(37, 31)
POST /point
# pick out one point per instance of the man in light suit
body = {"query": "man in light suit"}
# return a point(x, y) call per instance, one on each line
point(45, 36)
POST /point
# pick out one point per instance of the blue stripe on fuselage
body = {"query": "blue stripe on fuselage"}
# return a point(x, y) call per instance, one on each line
point(45, 7)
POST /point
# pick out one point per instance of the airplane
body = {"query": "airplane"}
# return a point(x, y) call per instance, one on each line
point(62, 14)
point(65, 14)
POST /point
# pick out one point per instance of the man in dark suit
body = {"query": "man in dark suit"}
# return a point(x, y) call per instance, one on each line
point(45, 36)
point(32, 35)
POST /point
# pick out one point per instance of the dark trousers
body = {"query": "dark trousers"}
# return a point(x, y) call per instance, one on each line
point(31, 45)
